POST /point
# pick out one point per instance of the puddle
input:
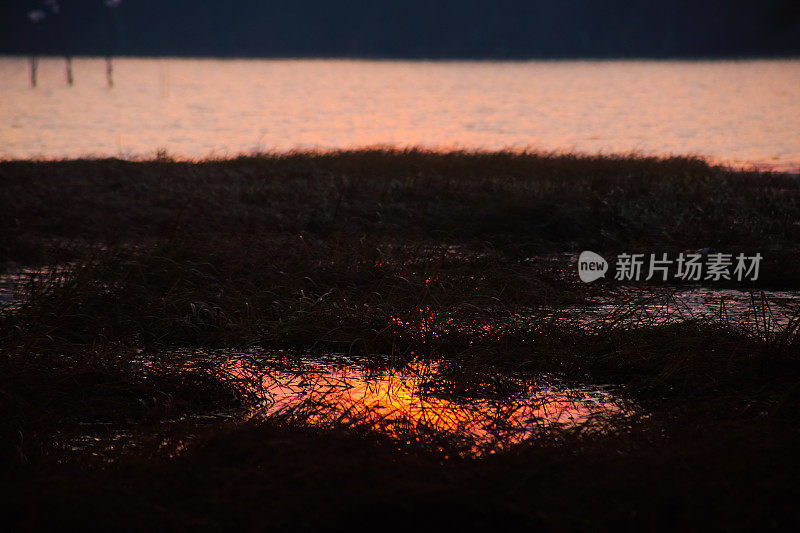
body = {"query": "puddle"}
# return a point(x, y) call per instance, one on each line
point(419, 399)
point(16, 286)
point(763, 310)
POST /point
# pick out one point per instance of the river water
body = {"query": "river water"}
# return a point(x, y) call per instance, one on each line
point(741, 113)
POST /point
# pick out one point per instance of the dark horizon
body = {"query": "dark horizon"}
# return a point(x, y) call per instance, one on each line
point(508, 29)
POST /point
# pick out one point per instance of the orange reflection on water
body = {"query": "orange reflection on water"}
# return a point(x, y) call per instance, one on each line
point(414, 400)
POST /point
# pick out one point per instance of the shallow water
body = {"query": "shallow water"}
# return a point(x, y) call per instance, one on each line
point(762, 313)
point(415, 402)
point(15, 286)
point(735, 112)
point(12, 290)
point(757, 310)
point(419, 398)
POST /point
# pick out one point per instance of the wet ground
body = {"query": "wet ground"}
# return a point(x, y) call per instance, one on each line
point(407, 400)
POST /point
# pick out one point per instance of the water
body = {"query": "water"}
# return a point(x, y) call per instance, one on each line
point(417, 399)
point(742, 113)
point(16, 286)
point(762, 312)
point(410, 403)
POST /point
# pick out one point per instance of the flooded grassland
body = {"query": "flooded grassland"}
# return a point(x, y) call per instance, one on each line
point(307, 339)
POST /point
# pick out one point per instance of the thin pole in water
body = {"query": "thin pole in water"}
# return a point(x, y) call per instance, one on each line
point(109, 72)
point(114, 19)
point(55, 11)
point(35, 17)
point(70, 79)
point(34, 69)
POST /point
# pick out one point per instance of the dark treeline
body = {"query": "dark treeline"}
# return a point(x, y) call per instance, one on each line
point(408, 28)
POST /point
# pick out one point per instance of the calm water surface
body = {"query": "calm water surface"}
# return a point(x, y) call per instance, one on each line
point(415, 399)
point(736, 112)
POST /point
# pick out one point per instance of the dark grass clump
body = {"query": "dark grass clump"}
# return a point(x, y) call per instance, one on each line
point(52, 402)
point(658, 477)
point(524, 204)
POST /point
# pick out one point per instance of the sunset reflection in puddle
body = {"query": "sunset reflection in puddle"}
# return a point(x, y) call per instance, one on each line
point(419, 399)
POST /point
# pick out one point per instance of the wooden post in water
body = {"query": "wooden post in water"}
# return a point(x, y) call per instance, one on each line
point(70, 79)
point(109, 72)
point(112, 6)
point(34, 69)
point(35, 17)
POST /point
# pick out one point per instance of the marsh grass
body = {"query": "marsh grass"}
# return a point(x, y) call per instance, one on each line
point(466, 259)
point(523, 204)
